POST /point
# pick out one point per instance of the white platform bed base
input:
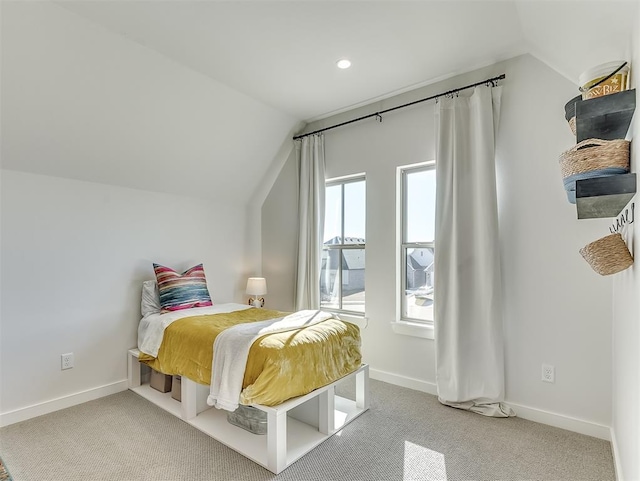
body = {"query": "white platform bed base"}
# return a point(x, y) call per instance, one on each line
point(294, 427)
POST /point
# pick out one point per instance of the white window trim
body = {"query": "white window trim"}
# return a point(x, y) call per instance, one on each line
point(357, 317)
point(360, 321)
point(346, 178)
point(407, 327)
point(415, 329)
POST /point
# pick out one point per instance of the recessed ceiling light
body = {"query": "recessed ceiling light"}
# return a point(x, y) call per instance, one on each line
point(343, 63)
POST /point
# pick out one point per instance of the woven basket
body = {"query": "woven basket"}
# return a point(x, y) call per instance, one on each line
point(607, 255)
point(595, 154)
point(570, 112)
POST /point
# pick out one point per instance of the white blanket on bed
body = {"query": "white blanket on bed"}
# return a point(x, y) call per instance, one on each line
point(151, 327)
point(231, 350)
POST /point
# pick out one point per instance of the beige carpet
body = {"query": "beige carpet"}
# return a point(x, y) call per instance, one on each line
point(407, 435)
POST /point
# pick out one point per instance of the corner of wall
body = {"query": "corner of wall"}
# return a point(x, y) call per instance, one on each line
point(625, 433)
point(253, 243)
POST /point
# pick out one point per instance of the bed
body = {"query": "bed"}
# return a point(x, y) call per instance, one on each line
point(291, 374)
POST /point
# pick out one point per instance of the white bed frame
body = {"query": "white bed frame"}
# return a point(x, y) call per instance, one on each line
point(294, 427)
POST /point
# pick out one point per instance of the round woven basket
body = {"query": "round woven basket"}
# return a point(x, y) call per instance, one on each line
point(595, 154)
point(607, 255)
point(570, 112)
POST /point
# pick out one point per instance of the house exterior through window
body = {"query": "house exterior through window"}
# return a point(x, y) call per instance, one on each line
point(343, 256)
point(417, 250)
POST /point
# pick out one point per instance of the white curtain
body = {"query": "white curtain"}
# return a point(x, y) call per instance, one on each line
point(310, 156)
point(467, 303)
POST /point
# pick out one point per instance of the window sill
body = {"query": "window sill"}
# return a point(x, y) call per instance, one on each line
point(413, 329)
point(360, 321)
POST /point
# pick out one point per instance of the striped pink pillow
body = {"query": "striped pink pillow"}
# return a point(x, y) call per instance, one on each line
point(182, 291)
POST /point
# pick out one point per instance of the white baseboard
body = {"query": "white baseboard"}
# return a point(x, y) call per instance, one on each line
point(562, 421)
point(531, 414)
point(525, 412)
point(404, 381)
point(47, 407)
point(616, 456)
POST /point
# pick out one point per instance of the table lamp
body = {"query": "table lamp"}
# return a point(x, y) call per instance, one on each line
point(256, 287)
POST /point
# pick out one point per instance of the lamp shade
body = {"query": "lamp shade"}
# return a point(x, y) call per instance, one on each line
point(256, 286)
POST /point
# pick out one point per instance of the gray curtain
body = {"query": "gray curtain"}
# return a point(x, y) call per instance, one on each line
point(468, 297)
point(311, 190)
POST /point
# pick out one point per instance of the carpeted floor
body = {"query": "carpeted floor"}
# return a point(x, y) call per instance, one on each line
point(407, 435)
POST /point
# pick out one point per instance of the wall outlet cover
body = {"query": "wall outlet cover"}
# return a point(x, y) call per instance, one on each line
point(66, 361)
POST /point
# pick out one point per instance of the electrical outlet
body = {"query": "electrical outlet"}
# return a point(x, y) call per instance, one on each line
point(66, 361)
point(548, 373)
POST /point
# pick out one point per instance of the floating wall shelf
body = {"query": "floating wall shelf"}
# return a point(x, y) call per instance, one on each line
point(604, 196)
point(607, 117)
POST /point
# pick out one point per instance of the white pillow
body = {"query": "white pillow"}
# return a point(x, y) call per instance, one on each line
point(150, 303)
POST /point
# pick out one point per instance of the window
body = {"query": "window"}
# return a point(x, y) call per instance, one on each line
point(343, 253)
point(417, 251)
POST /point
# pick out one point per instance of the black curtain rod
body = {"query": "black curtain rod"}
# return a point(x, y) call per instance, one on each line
point(492, 81)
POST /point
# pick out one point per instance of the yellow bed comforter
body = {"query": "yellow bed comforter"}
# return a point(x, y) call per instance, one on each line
point(280, 366)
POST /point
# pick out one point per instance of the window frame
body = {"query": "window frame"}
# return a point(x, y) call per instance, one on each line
point(342, 181)
point(403, 246)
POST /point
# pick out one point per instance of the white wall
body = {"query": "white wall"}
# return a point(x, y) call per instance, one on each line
point(81, 102)
point(255, 218)
point(626, 325)
point(280, 237)
point(557, 310)
point(74, 255)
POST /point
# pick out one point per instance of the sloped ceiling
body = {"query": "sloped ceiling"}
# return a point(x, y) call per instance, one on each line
point(81, 102)
point(284, 53)
point(206, 92)
point(572, 36)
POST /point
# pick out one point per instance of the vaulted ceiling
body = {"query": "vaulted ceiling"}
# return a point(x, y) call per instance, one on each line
point(198, 97)
point(284, 52)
